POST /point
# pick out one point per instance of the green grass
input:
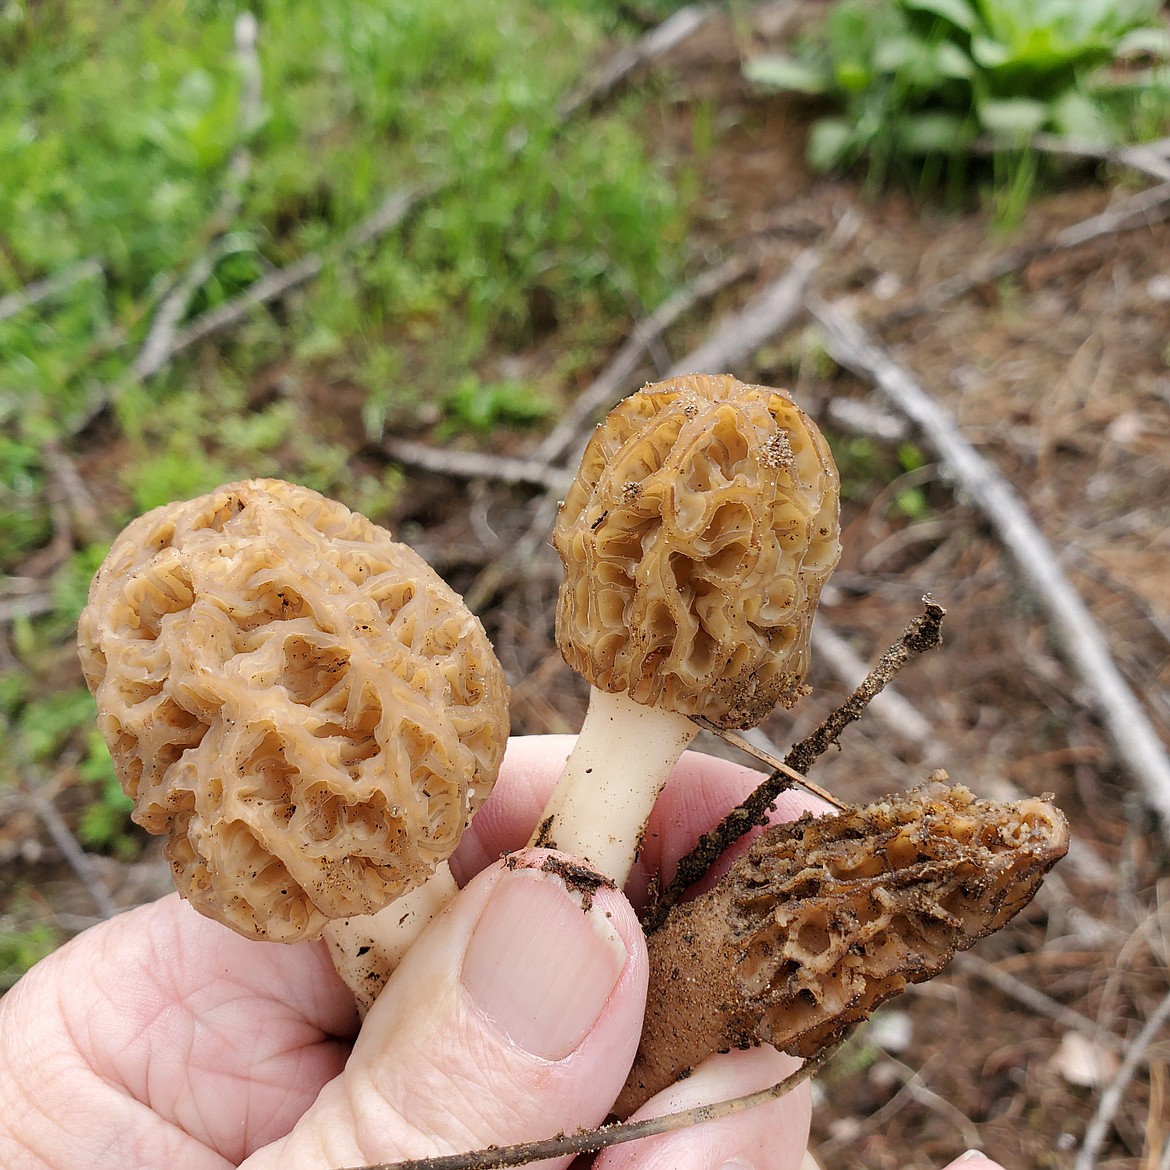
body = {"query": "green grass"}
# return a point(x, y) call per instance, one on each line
point(121, 131)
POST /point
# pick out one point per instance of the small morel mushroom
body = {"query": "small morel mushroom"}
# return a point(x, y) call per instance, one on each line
point(824, 918)
point(695, 540)
point(302, 706)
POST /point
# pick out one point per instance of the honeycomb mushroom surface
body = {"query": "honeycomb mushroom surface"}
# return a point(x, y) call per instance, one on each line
point(299, 702)
point(825, 918)
point(695, 540)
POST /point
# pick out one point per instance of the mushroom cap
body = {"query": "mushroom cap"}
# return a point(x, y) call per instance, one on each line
point(297, 700)
point(695, 540)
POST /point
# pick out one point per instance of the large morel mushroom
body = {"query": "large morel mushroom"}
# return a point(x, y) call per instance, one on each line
point(297, 701)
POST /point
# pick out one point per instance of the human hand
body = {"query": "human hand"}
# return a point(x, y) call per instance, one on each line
point(163, 1039)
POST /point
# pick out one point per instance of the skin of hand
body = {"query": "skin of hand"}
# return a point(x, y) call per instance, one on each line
point(161, 1038)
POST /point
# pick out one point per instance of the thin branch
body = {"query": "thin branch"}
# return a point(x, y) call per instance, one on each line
point(769, 312)
point(477, 464)
point(589, 1141)
point(614, 381)
point(157, 349)
point(1043, 1005)
point(631, 59)
point(55, 824)
point(891, 707)
point(1147, 158)
point(1136, 1055)
point(1134, 739)
point(921, 635)
point(51, 286)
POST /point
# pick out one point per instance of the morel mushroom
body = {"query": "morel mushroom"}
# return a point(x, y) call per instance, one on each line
point(825, 918)
point(305, 709)
point(695, 540)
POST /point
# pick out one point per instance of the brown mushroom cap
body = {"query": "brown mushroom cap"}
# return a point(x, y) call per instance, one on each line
point(695, 540)
point(306, 709)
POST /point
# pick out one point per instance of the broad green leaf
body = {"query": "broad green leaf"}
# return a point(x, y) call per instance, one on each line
point(1012, 118)
point(786, 73)
point(1155, 41)
point(989, 53)
point(895, 54)
point(958, 12)
point(1076, 116)
point(933, 133)
point(953, 62)
point(853, 76)
point(830, 142)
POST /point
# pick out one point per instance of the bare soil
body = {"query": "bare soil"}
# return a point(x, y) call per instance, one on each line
point(1058, 374)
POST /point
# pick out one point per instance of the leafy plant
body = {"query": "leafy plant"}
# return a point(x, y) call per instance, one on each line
point(478, 406)
point(920, 78)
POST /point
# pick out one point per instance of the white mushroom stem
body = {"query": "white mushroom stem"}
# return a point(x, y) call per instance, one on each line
point(367, 947)
point(622, 758)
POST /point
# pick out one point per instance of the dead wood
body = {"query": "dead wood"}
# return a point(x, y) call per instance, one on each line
point(628, 62)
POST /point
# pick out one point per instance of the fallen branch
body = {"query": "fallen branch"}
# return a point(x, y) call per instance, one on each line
point(1036, 1001)
point(614, 381)
point(1136, 743)
point(632, 59)
point(1147, 158)
point(769, 312)
point(157, 349)
point(43, 290)
point(477, 464)
point(55, 824)
point(1137, 1054)
point(569, 435)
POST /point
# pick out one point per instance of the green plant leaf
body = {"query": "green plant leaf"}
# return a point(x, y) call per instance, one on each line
point(989, 53)
point(1077, 116)
point(1142, 41)
point(786, 73)
point(830, 143)
point(1014, 119)
point(958, 12)
point(932, 133)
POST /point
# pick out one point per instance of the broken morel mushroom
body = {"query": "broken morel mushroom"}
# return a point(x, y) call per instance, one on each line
point(826, 917)
point(695, 540)
point(305, 709)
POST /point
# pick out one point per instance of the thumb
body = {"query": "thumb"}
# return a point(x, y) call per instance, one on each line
point(514, 1016)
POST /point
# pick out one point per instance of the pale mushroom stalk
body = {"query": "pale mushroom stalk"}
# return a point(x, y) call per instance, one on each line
point(695, 539)
point(366, 948)
point(617, 768)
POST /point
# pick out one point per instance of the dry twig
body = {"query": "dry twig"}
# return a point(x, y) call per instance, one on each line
point(924, 633)
point(43, 290)
point(1135, 741)
point(55, 824)
point(589, 1141)
point(1136, 1055)
point(630, 60)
